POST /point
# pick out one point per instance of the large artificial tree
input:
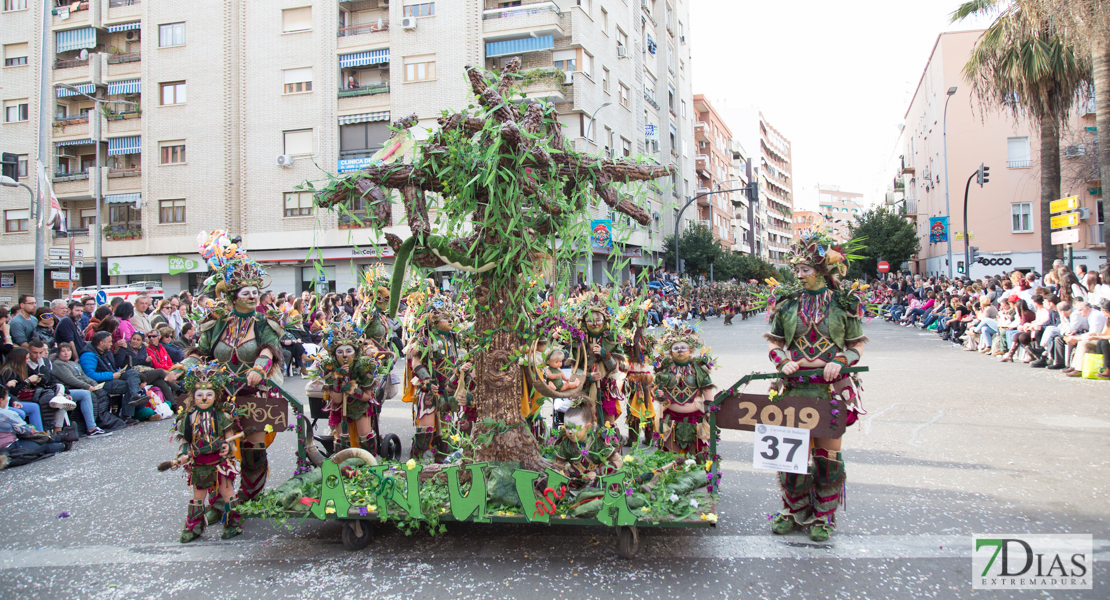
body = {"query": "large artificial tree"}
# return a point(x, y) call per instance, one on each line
point(510, 198)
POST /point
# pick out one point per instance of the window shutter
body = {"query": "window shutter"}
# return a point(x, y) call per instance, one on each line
point(296, 19)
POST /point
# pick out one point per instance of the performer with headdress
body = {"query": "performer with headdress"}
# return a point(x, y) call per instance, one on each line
point(205, 427)
point(242, 340)
point(602, 355)
point(436, 374)
point(817, 326)
point(639, 348)
point(350, 379)
point(683, 387)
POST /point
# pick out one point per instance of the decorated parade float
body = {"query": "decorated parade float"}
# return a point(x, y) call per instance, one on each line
point(499, 195)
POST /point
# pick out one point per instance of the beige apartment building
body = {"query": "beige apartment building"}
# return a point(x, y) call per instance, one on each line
point(239, 104)
point(771, 218)
point(746, 223)
point(713, 165)
point(839, 210)
point(807, 220)
point(1003, 217)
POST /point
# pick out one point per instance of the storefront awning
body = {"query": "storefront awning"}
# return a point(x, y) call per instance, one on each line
point(123, 198)
point(75, 39)
point(364, 118)
point(125, 145)
point(370, 57)
point(124, 27)
point(74, 142)
point(520, 46)
point(84, 88)
point(130, 86)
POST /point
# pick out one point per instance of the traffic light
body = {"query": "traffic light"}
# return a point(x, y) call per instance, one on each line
point(973, 254)
point(959, 266)
point(983, 176)
point(10, 164)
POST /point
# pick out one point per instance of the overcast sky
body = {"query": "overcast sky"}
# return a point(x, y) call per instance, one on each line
point(834, 77)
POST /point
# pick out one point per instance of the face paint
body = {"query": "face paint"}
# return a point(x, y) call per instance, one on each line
point(443, 325)
point(595, 323)
point(809, 277)
point(680, 352)
point(345, 354)
point(247, 298)
point(204, 398)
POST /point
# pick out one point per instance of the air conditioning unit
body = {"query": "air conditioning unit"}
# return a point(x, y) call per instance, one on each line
point(622, 52)
point(67, 151)
point(383, 3)
point(1075, 151)
point(408, 23)
point(285, 160)
point(131, 35)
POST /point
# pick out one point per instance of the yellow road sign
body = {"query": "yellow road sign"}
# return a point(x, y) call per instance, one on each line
point(1066, 220)
point(1069, 203)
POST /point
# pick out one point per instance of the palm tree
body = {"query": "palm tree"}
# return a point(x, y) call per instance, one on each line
point(1087, 25)
point(1023, 64)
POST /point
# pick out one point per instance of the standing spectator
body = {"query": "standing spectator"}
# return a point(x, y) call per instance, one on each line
point(125, 314)
point(23, 323)
point(139, 320)
point(88, 306)
point(69, 330)
point(99, 364)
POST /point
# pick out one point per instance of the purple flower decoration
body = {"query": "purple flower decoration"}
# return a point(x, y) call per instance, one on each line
point(64, 515)
point(835, 412)
point(628, 492)
point(833, 402)
point(362, 511)
point(770, 516)
point(709, 489)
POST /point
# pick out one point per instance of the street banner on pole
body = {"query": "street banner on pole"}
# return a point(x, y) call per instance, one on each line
point(938, 230)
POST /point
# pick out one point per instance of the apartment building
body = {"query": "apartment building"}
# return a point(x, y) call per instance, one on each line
point(839, 210)
point(713, 165)
point(1003, 217)
point(232, 106)
point(749, 220)
point(772, 168)
point(807, 220)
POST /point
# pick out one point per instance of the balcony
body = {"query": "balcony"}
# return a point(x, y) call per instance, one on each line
point(71, 233)
point(549, 83)
point(124, 180)
point(649, 96)
point(1019, 164)
point(539, 19)
point(72, 184)
point(909, 208)
point(701, 132)
point(129, 63)
point(117, 232)
point(67, 14)
point(123, 122)
point(364, 28)
point(907, 167)
point(68, 63)
point(64, 177)
point(701, 164)
point(368, 90)
point(78, 125)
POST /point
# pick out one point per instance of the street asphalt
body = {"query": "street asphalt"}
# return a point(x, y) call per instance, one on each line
point(954, 443)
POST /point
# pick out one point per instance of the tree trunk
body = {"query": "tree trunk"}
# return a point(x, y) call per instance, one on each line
point(499, 384)
point(1050, 186)
point(1100, 67)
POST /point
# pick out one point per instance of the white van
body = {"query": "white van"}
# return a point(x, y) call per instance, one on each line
point(128, 292)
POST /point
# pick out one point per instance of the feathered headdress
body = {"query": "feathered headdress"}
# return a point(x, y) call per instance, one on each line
point(209, 376)
point(232, 269)
point(827, 255)
point(343, 331)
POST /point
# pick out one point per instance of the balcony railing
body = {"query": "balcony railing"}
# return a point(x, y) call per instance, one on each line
point(910, 208)
point(123, 231)
point(363, 28)
point(132, 172)
point(122, 116)
point(651, 99)
point(129, 57)
point(63, 177)
point(1019, 164)
point(84, 232)
point(117, 3)
point(516, 11)
point(64, 121)
point(364, 91)
point(70, 63)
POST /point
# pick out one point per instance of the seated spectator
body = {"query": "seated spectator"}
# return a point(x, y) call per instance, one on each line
point(99, 364)
point(79, 387)
point(44, 330)
point(1020, 335)
point(1099, 343)
point(144, 358)
point(68, 329)
point(987, 326)
point(5, 332)
point(23, 322)
point(13, 425)
point(124, 314)
point(186, 339)
point(18, 382)
point(163, 315)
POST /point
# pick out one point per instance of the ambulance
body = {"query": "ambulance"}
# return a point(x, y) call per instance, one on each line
point(128, 292)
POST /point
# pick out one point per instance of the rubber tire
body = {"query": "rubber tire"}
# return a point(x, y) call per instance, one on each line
point(351, 540)
point(390, 447)
point(628, 542)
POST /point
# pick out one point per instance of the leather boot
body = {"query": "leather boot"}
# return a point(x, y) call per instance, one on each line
point(233, 521)
point(194, 521)
point(796, 488)
point(827, 490)
point(421, 442)
point(255, 468)
point(370, 443)
point(215, 511)
point(633, 431)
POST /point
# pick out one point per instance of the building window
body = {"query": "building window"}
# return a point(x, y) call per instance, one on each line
point(363, 138)
point(605, 79)
point(173, 153)
point(15, 111)
point(22, 165)
point(426, 9)
point(604, 20)
point(623, 95)
point(173, 93)
point(683, 104)
point(297, 80)
point(17, 220)
point(622, 42)
point(1022, 214)
point(298, 142)
point(1017, 151)
point(298, 204)
point(296, 19)
point(88, 218)
point(420, 68)
point(171, 211)
point(15, 5)
point(565, 60)
point(15, 54)
point(626, 147)
point(171, 34)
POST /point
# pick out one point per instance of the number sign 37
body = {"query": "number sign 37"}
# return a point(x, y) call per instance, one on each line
point(781, 449)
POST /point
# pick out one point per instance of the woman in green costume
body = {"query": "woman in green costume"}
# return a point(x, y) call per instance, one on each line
point(817, 326)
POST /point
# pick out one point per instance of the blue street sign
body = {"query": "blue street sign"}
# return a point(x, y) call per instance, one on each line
point(102, 297)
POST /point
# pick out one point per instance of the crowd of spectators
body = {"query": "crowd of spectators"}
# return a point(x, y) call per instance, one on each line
point(1058, 321)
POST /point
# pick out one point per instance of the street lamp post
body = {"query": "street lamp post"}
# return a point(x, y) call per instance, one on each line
point(40, 246)
point(591, 124)
point(947, 210)
point(97, 192)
